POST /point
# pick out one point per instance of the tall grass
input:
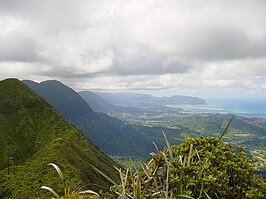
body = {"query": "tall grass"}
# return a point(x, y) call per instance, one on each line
point(69, 193)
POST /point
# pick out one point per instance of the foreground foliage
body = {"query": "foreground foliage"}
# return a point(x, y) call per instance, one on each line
point(68, 192)
point(198, 168)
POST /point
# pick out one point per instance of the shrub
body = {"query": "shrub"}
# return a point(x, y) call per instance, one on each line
point(198, 168)
point(210, 167)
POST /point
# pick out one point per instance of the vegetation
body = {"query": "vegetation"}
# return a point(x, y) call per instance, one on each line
point(243, 131)
point(198, 168)
point(133, 136)
point(259, 157)
point(68, 193)
point(33, 134)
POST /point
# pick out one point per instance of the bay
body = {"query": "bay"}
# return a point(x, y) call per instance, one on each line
point(247, 107)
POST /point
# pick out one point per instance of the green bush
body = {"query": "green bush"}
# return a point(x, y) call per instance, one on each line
point(198, 168)
point(210, 167)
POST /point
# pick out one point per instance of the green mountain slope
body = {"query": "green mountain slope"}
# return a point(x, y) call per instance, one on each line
point(217, 122)
point(112, 136)
point(33, 134)
point(61, 97)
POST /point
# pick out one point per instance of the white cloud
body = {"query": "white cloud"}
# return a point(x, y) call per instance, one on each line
point(194, 45)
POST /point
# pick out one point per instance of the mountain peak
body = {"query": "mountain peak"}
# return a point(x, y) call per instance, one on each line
point(64, 99)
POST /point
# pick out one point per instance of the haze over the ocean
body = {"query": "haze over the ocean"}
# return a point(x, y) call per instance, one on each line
point(194, 47)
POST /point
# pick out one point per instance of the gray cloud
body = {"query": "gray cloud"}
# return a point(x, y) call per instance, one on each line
point(18, 49)
point(188, 44)
point(15, 41)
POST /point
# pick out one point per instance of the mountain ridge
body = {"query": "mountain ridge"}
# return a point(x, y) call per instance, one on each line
point(110, 138)
point(33, 134)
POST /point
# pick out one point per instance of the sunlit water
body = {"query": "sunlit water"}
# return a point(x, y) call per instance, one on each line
point(241, 107)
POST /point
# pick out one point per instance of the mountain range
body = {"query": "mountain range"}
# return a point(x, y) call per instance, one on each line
point(109, 134)
point(138, 100)
point(119, 138)
point(133, 102)
point(33, 133)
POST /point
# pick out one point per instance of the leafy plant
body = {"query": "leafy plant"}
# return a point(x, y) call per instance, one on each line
point(215, 168)
point(68, 193)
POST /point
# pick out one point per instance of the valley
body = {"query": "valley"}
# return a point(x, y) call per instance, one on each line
point(180, 124)
point(119, 128)
point(50, 122)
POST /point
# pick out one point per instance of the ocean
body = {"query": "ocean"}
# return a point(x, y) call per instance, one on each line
point(248, 107)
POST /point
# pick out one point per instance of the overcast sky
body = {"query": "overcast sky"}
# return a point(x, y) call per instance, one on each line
point(195, 47)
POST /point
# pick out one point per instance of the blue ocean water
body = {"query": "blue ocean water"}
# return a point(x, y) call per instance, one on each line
point(248, 107)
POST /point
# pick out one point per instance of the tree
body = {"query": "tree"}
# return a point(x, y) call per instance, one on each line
point(198, 168)
point(212, 168)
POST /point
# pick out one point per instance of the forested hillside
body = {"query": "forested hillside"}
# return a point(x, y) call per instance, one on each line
point(32, 135)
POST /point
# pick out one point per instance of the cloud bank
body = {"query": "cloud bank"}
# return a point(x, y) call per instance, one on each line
point(173, 46)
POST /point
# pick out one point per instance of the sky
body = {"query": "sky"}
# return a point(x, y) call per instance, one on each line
point(208, 48)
